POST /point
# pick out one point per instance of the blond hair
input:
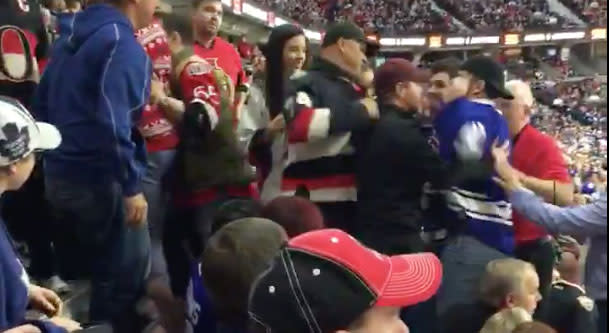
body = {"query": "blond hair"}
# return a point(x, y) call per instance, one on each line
point(506, 321)
point(522, 92)
point(502, 277)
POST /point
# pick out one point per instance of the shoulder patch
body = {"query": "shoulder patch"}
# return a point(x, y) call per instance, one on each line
point(303, 99)
point(586, 303)
point(199, 68)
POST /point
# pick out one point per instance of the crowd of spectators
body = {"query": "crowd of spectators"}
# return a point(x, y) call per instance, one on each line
point(402, 16)
point(593, 12)
point(505, 15)
point(340, 199)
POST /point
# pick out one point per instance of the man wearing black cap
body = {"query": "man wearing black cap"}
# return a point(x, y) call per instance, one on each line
point(326, 282)
point(477, 210)
point(324, 107)
point(395, 163)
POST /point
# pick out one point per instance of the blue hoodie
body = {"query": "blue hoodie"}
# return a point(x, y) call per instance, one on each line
point(94, 90)
point(13, 289)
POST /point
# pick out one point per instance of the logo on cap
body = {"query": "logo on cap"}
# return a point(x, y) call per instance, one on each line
point(16, 143)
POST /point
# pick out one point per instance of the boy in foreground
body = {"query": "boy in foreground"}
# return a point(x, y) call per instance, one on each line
point(327, 282)
point(20, 138)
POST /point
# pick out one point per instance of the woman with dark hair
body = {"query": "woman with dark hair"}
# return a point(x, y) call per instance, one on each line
point(287, 46)
point(286, 54)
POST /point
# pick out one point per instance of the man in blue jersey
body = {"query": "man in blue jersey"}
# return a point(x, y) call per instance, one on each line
point(476, 210)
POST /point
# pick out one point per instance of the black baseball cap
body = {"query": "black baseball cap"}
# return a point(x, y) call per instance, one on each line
point(344, 30)
point(324, 280)
point(492, 73)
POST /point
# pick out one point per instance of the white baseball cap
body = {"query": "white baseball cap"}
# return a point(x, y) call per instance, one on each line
point(21, 135)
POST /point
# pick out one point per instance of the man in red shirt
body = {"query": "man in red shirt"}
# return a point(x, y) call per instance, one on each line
point(207, 19)
point(543, 171)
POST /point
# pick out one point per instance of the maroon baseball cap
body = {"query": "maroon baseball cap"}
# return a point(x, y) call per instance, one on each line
point(323, 281)
point(396, 70)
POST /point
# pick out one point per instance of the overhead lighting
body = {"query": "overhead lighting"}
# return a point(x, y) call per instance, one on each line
point(413, 41)
point(435, 42)
point(485, 40)
point(512, 39)
point(599, 33)
point(535, 38)
point(313, 35)
point(455, 41)
point(388, 41)
point(569, 35)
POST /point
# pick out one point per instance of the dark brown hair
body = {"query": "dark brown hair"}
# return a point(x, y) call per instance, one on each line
point(197, 3)
point(296, 215)
point(449, 65)
point(182, 24)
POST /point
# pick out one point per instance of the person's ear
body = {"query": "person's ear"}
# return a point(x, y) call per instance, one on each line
point(510, 300)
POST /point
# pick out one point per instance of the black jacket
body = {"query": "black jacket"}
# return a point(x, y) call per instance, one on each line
point(569, 310)
point(394, 164)
point(323, 114)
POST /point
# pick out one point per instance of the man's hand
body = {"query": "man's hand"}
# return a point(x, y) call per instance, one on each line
point(45, 300)
point(509, 178)
point(24, 329)
point(371, 107)
point(157, 90)
point(137, 210)
point(68, 324)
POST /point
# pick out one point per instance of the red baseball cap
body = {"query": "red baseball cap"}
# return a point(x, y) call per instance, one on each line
point(396, 70)
point(325, 280)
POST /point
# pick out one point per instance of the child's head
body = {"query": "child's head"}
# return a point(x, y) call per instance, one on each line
point(179, 31)
point(233, 258)
point(20, 138)
point(506, 320)
point(296, 215)
point(509, 283)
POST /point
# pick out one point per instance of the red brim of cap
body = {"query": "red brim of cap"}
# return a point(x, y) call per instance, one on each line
point(412, 279)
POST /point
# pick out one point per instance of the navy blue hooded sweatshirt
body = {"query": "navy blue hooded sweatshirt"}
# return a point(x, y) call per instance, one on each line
point(13, 289)
point(93, 90)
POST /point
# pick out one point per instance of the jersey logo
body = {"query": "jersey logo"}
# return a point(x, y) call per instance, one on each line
point(23, 5)
point(470, 141)
point(303, 99)
point(16, 62)
point(199, 68)
point(586, 303)
point(213, 62)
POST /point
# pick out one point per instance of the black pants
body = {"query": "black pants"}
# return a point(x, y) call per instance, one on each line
point(28, 218)
point(602, 315)
point(541, 254)
point(339, 215)
point(185, 234)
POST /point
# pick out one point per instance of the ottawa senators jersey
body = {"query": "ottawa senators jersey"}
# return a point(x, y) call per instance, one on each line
point(569, 310)
point(199, 81)
point(23, 39)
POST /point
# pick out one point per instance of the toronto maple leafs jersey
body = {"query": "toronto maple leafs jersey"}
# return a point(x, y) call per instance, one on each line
point(200, 317)
point(466, 131)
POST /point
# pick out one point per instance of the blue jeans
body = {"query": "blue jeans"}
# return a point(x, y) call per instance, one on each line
point(117, 256)
point(159, 164)
point(464, 260)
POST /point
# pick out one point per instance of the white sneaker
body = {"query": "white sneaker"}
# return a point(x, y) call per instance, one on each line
point(58, 285)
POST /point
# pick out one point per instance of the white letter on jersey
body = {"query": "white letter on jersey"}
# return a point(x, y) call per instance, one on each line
point(470, 141)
